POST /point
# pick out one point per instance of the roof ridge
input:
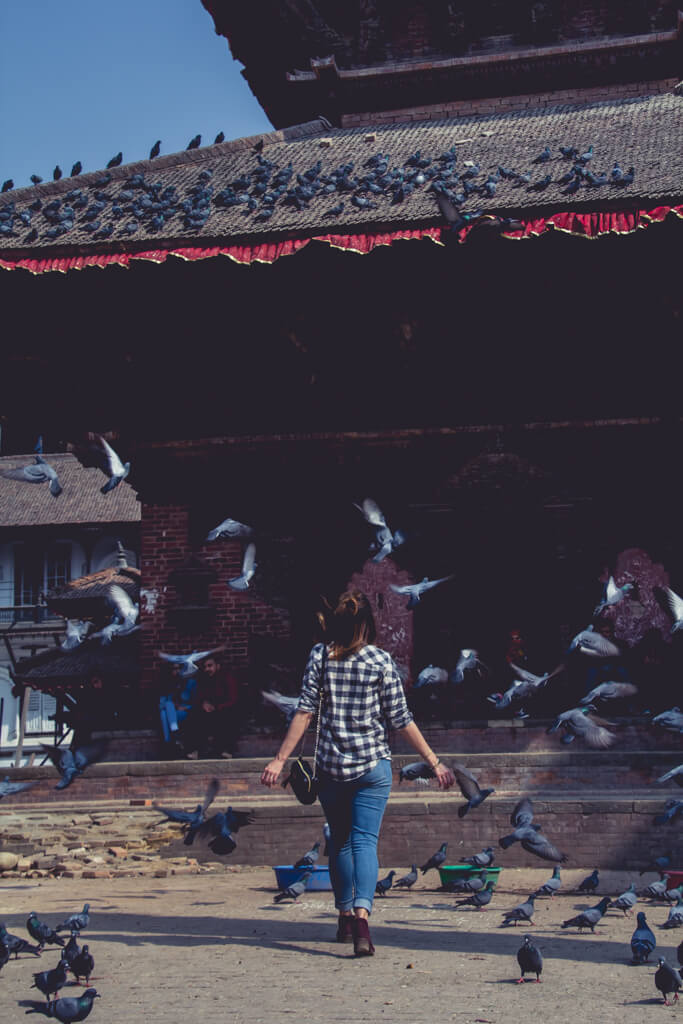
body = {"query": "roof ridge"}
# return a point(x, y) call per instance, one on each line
point(198, 156)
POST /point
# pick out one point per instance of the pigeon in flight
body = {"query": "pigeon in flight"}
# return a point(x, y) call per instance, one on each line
point(41, 932)
point(643, 940)
point(470, 789)
point(528, 834)
point(416, 590)
point(49, 982)
point(15, 944)
point(75, 633)
point(552, 886)
point(590, 882)
point(480, 900)
point(188, 662)
point(7, 787)
point(626, 901)
point(292, 892)
point(673, 604)
point(610, 691)
point(417, 772)
point(407, 881)
point(530, 960)
point(526, 685)
point(230, 528)
point(40, 473)
point(671, 720)
point(66, 1010)
point(594, 644)
point(118, 470)
point(436, 860)
point(309, 858)
point(384, 884)
point(523, 912)
point(588, 918)
point(76, 923)
point(432, 675)
point(386, 541)
point(70, 763)
point(468, 661)
point(191, 820)
point(612, 594)
point(248, 569)
point(676, 774)
point(287, 705)
point(124, 620)
point(667, 979)
point(222, 827)
point(578, 722)
point(480, 860)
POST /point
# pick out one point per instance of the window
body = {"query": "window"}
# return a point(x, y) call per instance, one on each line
point(28, 574)
point(57, 566)
point(40, 707)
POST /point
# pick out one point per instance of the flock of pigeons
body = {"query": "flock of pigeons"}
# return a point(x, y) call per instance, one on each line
point(74, 959)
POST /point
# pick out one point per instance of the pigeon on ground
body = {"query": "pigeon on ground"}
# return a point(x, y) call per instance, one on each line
point(39, 473)
point(588, 918)
point(590, 883)
point(15, 944)
point(75, 633)
point(436, 860)
point(309, 858)
point(469, 787)
point(673, 605)
point(679, 954)
point(52, 981)
point(612, 594)
point(222, 827)
point(673, 895)
point(610, 691)
point(672, 809)
point(72, 949)
point(191, 820)
point(523, 912)
point(118, 470)
point(671, 720)
point(188, 662)
point(248, 569)
point(384, 884)
point(72, 762)
point(594, 644)
point(83, 965)
point(480, 860)
point(480, 900)
point(468, 661)
point(552, 886)
point(65, 1010)
point(676, 774)
point(643, 940)
point(675, 918)
point(287, 705)
point(41, 932)
point(292, 892)
point(76, 923)
point(7, 787)
point(656, 890)
point(579, 722)
point(626, 901)
point(416, 590)
point(417, 772)
point(4, 954)
point(474, 884)
point(530, 960)
point(230, 528)
point(407, 881)
point(667, 979)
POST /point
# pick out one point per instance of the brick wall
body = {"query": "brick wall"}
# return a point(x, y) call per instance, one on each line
point(507, 104)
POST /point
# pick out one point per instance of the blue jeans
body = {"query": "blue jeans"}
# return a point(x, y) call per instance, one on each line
point(354, 812)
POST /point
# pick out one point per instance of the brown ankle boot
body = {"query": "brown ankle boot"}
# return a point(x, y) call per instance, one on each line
point(345, 928)
point(362, 943)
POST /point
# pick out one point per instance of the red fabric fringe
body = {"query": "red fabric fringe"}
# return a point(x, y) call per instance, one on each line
point(587, 225)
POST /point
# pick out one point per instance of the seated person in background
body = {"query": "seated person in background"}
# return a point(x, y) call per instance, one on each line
point(212, 727)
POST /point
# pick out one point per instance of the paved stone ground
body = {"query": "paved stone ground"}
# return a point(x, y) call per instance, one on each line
point(213, 946)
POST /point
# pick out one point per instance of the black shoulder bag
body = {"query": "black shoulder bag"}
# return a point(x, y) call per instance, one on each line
point(302, 777)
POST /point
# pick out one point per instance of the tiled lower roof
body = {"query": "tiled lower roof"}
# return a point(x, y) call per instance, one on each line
point(646, 133)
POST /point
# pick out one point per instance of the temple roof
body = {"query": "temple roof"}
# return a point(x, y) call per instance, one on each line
point(646, 133)
point(118, 661)
point(85, 597)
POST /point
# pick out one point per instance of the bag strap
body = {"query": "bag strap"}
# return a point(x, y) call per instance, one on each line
point(320, 709)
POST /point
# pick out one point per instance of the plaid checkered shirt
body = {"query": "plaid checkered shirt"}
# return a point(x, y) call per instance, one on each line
point(362, 699)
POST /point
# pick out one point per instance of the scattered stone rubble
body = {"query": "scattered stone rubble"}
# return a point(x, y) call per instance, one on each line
point(102, 844)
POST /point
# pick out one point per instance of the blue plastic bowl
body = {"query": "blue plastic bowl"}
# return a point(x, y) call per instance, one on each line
point(287, 875)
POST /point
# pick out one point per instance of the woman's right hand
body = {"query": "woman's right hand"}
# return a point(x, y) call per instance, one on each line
point(444, 776)
point(272, 772)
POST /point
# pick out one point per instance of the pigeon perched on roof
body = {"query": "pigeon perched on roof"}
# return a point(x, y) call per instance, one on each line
point(309, 858)
point(57, 173)
point(194, 143)
point(667, 980)
point(7, 787)
point(552, 886)
point(230, 528)
point(15, 944)
point(155, 150)
point(416, 590)
point(643, 940)
point(610, 691)
point(612, 594)
point(83, 965)
point(480, 860)
point(287, 705)
point(49, 982)
point(118, 470)
point(384, 884)
point(7, 186)
point(675, 775)
point(418, 772)
point(436, 860)
point(39, 473)
point(522, 912)
point(292, 892)
point(191, 820)
point(188, 662)
point(76, 923)
point(66, 1010)
point(75, 632)
point(626, 901)
point(407, 881)
point(470, 789)
point(41, 932)
point(249, 566)
point(72, 762)
point(590, 883)
point(115, 161)
point(480, 900)
point(580, 722)
point(588, 918)
point(671, 720)
point(76, 169)
point(530, 960)
point(222, 827)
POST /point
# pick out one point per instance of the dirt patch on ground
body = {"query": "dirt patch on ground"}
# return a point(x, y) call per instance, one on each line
point(216, 947)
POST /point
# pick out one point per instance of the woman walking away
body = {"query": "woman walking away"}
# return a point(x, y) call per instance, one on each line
point(362, 698)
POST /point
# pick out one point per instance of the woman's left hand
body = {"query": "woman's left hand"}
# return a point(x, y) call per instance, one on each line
point(444, 776)
point(272, 771)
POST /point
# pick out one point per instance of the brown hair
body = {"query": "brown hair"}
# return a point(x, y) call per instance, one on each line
point(349, 626)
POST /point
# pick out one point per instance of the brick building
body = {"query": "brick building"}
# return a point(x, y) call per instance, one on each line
point(500, 386)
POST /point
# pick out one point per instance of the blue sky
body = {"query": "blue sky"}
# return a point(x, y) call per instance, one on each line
point(83, 79)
